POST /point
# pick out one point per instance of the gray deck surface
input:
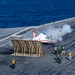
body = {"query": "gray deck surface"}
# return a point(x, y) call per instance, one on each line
point(45, 65)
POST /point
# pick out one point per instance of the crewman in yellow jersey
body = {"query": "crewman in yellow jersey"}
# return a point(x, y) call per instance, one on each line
point(13, 62)
point(70, 55)
point(55, 49)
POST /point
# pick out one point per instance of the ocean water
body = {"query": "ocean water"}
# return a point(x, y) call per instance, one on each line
point(21, 13)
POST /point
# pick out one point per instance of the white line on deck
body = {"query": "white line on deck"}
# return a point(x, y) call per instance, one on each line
point(16, 34)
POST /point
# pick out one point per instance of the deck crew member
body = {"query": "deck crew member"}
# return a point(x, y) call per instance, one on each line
point(13, 62)
point(55, 49)
point(70, 55)
point(63, 51)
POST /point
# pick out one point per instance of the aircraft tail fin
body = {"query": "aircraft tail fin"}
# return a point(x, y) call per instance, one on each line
point(34, 33)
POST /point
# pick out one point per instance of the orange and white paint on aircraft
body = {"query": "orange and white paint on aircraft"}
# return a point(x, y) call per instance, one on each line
point(42, 37)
